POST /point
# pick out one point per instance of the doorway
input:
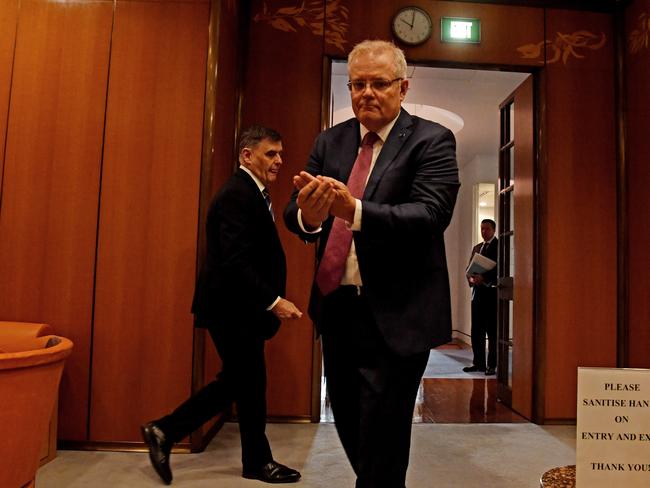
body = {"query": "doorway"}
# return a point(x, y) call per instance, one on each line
point(467, 101)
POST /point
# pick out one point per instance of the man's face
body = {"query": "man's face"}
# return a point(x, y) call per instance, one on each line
point(487, 232)
point(264, 160)
point(376, 108)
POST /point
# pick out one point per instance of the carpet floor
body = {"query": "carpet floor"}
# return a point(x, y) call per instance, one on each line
point(442, 456)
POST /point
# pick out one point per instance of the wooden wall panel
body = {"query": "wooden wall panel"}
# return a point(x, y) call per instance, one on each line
point(578, 238)
point(524, 282)
point(48, 222)
point(142, 355)
point(166, 1)
point(220, 121)
point(224, 157)
point(282, 89)
point(637, 29)
point(8, 25)
point(504, 30)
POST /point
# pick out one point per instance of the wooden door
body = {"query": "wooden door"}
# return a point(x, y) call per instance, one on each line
point(516, 250)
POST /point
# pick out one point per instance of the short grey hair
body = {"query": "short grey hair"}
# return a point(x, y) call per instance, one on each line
point(378, 47)
point(255, 134)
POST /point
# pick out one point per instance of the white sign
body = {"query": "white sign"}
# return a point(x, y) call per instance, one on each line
point(461, 30)
point(613, 428)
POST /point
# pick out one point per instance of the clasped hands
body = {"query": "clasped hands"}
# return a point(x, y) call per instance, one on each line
point(321, 196)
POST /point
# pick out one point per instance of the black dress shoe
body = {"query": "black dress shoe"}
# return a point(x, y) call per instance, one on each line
point(159, 450)
point(473, 369)
point(490, 372)
point(273, 473)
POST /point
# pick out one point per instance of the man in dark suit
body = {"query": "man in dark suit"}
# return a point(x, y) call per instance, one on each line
point(381, 294)
point(484, 303)
point(239, 299)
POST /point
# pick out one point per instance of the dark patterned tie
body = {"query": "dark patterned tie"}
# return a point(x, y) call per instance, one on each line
point(267, 198)
point(332, 265)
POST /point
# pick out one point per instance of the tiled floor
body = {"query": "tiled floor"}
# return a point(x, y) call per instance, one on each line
point(460, 401)
point(448, 395)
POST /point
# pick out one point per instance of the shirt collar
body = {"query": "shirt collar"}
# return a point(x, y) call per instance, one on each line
point(383, 132)
point(257, 181)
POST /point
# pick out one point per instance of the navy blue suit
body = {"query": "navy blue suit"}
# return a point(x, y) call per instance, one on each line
point(376, 344)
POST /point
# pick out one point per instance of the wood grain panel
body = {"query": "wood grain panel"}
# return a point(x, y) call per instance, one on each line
point(503, 30)
point(142, 356)
point(224, 157)
point(579, 214)
point(282, 89)
point(8, 25)
point(224, 73)
point(49, 203)
point(524, 283)
point(165, 1)
point(638, 197)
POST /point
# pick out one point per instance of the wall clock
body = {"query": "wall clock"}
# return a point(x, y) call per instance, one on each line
point(412, 26)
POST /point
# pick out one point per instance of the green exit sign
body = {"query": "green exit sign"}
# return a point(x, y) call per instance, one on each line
point(458, 29)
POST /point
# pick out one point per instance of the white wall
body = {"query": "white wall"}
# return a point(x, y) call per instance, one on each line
point(483, 168)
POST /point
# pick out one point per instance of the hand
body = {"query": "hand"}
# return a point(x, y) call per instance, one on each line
point(285, 309)
point(344, 204)
point(315, 197)
point(478, 279)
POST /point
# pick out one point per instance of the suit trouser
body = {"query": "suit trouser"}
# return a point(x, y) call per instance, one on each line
point(371, 389)
point(484, 321)
point(243, 380)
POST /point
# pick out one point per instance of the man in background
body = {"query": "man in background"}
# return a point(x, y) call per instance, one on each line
point(239, 299)
point(484, 304)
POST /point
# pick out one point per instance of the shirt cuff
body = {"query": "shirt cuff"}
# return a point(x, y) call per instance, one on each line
point(275, 302)
point(356, 223)
point(302, 227)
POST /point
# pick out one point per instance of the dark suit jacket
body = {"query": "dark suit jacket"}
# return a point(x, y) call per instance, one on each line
point(245, 268)
point(407, 204)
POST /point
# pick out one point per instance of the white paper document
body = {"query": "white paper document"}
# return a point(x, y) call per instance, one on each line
point(479, 265)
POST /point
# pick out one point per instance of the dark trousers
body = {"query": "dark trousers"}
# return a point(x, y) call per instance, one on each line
point(484, 322)
point(371, 389)
point(242, 380)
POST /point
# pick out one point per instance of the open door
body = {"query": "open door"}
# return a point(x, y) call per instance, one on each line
point(516, 251)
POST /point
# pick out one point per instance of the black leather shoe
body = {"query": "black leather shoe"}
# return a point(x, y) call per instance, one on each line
point(490, 372)
point(159, 450)
point(273, 473)
point(473, 369)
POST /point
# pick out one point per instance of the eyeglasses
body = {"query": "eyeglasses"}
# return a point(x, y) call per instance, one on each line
point(357, 86)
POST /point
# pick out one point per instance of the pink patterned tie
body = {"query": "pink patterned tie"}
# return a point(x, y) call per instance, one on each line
point(332, 264)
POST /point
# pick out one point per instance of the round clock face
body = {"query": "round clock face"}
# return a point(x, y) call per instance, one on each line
point(412, 25)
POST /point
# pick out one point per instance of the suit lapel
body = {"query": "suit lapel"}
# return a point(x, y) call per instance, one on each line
point(256, 197)
point(348, 150)
point(396, 139)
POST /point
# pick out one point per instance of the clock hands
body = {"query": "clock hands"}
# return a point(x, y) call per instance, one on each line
point(410, 25)
point(418, 22)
